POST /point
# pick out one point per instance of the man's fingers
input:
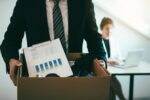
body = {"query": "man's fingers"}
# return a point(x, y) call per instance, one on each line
point(14, 65)
point(18, 64)
point(12, 75)
point(13, 79)
point(13, 68)
point(12, 71)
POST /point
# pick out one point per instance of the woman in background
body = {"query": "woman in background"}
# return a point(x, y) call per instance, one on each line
point(113, 55)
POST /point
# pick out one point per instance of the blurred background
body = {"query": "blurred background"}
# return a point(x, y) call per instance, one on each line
point(132, 27)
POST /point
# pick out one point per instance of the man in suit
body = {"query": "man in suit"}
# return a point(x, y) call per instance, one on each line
point(69, 20)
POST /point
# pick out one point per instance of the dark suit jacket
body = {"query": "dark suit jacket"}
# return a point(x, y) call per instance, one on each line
point(30, 17)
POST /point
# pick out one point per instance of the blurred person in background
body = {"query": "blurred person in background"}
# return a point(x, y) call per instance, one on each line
point(113, 55)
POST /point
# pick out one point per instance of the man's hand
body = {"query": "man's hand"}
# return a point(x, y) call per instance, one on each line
point(14, 65)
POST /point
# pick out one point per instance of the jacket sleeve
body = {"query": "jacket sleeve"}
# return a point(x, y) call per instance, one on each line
point(14, 34)
point(93, 38)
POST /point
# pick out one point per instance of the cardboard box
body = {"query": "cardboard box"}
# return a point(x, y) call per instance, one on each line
point(71, 88)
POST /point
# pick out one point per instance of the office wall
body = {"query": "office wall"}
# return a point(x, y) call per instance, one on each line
point(9, 92)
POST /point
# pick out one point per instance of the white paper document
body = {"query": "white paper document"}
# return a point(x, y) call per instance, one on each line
point(47, 58)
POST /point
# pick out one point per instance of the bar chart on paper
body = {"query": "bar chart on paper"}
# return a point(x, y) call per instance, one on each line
point(47, 58)
point(48, 65)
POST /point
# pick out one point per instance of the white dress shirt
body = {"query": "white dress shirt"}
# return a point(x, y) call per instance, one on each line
point(63, 4)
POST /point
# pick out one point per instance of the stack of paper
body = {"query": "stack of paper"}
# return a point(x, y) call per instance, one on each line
point(47, 58)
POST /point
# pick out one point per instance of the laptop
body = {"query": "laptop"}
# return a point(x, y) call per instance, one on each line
point(132, 60)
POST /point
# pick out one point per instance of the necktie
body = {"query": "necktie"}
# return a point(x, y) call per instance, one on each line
point(58, 24)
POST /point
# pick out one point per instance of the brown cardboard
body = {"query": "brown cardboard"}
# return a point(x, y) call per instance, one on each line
point(71, 88)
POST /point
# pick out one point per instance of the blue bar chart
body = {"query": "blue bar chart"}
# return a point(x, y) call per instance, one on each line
point(48, 65)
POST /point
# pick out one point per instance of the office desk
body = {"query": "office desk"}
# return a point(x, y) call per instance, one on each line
point(142, 69)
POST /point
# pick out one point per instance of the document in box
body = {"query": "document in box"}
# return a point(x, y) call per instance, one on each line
point(47, 58)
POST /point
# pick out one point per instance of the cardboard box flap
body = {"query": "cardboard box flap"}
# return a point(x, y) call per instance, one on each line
point(99, 70)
